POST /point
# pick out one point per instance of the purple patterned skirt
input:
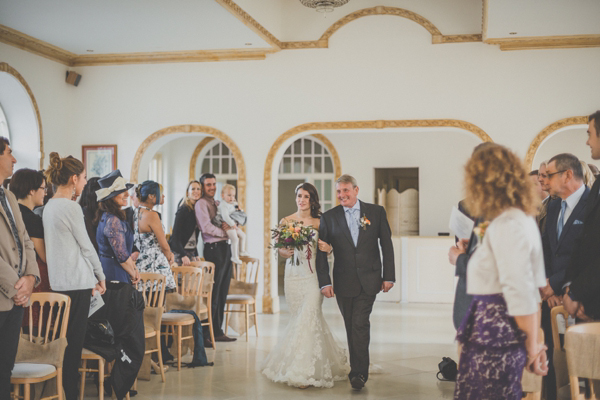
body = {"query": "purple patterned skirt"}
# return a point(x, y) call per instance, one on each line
point(493, 354)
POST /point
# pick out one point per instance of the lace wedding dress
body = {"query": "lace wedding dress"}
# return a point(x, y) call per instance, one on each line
point(306, 354)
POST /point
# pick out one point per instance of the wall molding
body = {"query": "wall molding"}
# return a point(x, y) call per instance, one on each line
point(193, 161)
point(546, 42)
point(4, 67)
point(214, 133)
point(547, 131)
point(334, 126)
point(36, 46)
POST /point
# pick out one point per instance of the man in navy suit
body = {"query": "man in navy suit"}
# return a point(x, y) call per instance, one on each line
point(564, 224)
point(356, 231)
point(583, 274)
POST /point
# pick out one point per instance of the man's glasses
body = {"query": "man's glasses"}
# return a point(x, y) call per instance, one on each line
point(45, 188)
point(557, 172)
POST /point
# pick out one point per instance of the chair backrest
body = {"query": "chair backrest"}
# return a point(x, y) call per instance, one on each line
point(188, 280)
point(581, 344)
point(152, 287)
point(247, 271)
point(208, 280)
point(53, 317)
point(555, 312)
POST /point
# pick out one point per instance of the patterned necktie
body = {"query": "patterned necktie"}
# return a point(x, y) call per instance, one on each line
point(13, 227)
point(353, 224)
point(561, 218)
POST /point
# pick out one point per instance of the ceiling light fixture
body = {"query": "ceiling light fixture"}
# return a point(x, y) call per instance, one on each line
point(323, 6)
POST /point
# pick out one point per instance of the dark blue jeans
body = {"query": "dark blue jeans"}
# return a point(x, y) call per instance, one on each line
point(199, 352)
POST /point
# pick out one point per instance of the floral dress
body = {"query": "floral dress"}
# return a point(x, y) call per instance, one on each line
point(151, 259)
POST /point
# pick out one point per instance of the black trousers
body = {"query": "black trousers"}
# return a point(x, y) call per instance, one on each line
point(550, 379)
point(220, 254)
point(10, 327)
point(80, 307)
point(356, 312)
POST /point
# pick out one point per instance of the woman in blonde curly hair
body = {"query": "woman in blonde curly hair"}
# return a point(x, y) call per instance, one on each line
point(499, 333)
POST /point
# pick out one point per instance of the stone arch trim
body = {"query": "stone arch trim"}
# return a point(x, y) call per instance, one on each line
point(203, 143)
point(336, 126)
point(4, 67)
point(215, 133)
point(547, 131)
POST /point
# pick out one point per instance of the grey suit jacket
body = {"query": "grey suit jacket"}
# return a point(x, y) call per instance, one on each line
point(357, 267)
point(9, 255)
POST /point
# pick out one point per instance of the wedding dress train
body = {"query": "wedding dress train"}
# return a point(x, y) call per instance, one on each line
point(306, 354)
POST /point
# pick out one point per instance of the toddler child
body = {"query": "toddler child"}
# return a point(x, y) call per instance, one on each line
point(228, 212)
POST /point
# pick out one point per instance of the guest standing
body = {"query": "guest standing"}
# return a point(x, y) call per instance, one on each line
point(114, 235)
point(184, 238)
point(500, 333)
point(18, 271)
point(73, 265)
point(89, 204)
point(217, 251)
point(29, 187)
point(149, 236)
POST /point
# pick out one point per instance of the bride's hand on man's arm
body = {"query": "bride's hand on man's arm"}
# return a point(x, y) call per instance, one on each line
point(286, 252)
point(324, 247)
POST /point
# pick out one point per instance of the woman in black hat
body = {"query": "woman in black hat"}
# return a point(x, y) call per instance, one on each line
point(114, 235)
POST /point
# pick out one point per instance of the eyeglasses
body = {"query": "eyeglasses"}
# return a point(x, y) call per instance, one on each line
point(45, 188)
point(557, 172)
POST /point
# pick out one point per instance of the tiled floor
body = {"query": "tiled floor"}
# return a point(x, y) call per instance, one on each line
point(407, 342)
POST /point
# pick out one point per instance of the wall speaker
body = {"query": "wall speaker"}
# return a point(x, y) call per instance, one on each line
point(73, 78)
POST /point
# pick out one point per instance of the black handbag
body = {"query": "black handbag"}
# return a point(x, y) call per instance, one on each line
point(448, 369)
point(100, 332)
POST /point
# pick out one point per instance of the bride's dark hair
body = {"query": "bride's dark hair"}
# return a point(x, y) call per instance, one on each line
point(315, 206)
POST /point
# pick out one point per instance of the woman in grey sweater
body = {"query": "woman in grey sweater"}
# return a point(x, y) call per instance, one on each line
point(73, 265)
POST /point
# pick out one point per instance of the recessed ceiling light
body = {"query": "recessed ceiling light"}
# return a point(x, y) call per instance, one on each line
point(90, 51)
point(248, 44)
point(512, 33)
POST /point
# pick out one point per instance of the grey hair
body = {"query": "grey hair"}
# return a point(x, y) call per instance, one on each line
point(347, 179)
point(544, 164)
point(566, 161)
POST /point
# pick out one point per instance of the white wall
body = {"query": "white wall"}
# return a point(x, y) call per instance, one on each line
point(375, 68)
point(571, 140)
point(439, 155)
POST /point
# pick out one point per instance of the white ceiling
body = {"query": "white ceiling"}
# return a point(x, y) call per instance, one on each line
point(128, 26)
point(542, 18)
point(132, 26)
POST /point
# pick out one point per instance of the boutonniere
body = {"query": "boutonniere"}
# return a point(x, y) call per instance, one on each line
point(480, 229)
point(364, 222)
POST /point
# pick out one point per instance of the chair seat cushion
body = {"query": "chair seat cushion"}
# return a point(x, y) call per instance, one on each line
point(85, 353)
point(27, 370)
point(177, 318)
point(246, 298)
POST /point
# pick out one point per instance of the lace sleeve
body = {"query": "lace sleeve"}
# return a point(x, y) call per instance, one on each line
point(114, 230)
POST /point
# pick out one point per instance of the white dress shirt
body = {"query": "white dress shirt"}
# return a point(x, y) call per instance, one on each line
point(571, 201)
point(509, 260)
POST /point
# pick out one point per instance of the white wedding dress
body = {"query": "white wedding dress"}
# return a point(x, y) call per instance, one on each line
point(306, 354)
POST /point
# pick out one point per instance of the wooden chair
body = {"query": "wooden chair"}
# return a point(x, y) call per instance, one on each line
point(531, 383)
point(563, 390)
point(582, 342)
point(245, 294)
point(189, 285)
point(51, 332)
point(154, 300)
point(208, 282)
point(88, 355)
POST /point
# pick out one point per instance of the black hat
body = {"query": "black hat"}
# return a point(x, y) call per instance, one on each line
point(111, 185)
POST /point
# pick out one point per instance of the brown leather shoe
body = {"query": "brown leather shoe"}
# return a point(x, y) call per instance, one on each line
point(225, 339)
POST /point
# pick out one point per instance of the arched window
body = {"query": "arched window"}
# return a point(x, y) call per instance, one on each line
point(309, 160)
point(219, 160)
point(4, 131)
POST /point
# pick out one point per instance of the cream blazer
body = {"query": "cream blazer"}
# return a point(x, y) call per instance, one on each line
point(509, 260)
point(9, 255)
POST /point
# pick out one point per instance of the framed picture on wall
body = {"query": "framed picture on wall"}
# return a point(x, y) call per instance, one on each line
point(99, 160)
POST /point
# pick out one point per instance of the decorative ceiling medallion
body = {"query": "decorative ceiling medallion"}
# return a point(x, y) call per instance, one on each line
point(323, 5)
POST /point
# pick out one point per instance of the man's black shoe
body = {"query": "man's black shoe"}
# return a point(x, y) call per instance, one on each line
point(225, 339)
point(195, 364)
point(358, 382)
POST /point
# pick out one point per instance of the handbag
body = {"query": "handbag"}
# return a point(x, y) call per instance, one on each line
point(448, 369)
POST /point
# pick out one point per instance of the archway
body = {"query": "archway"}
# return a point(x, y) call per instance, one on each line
point(275, 154)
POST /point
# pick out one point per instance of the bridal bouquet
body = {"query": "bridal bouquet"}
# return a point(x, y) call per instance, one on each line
point(293, 235)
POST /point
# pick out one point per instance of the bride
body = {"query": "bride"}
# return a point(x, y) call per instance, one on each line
point(306, 354)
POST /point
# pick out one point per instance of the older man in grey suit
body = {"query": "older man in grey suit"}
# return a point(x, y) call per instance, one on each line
point(18, 271)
